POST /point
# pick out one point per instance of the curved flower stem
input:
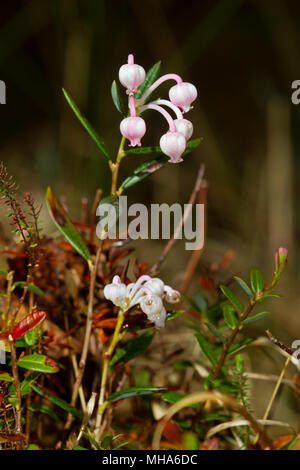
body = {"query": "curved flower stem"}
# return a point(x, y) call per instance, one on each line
point(102, 404)
point(170, 105)
point(168, 76)
point(162, 111)
point(114, 167)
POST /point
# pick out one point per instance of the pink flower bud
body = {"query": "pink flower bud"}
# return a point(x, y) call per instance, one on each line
point(131, 76)
point(280, 257)
point(173, 144)
point(182, 95)
point(133, 128)
point(184, 127)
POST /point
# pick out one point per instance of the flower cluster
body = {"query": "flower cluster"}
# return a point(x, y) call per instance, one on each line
point(146, 292)
point(181, 95)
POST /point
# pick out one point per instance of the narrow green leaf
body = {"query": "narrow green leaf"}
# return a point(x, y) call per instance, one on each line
point(257, 282)
point(38, 362)
point(244, 286)
point(232, 298)
point(134, 392)
point(151, 76)
point(58, 402)
point(5, 377)
point(215, 332)
point(239, 346)
point(174, 397)
point(41, 408)
point(65, 226)
point(88, 127)
point(132, 348)
point(174, 315)
point(31, 287)
point(151, 166)
point(117, 99)
point(254, 318)
point(230, 316)
point(207, 349)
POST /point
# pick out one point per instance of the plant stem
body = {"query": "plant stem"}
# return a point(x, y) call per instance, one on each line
point(239, 326)
point(231, 338)
point(16, 383)
point(178, 229)
point(105, 365)
point(88, 330)
point(115, 166)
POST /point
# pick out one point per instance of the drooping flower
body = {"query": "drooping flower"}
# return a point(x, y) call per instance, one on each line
point(134, 129)
point(116, 291)
point(131, 75)
point(146, 292)
point(182, 95)
point(185, 127)
point(173, 144)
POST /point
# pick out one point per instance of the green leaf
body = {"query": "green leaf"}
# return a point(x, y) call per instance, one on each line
point(31, 287)
point(134, 392)
point(5, 377)
point(244, 286)
point(174, 315)
point(206, 348)
point(190, 440)
point(151, 166)
point(111, 213)
point(65, 226)
point(32, 447)
point(239, 346)
point(41, 408)
point(132, 348)
point(117, 99)
point(174, 397)
point(215, 332)
point(257, 282)
point(3, 272)
point(230, 316)
point(151, 76)
point(38, 362)
point(232, 298)
point(201, 302)
point(79, 448)
point(254, 318)
point(88, 127)
point(31, 337)
point(58, 402)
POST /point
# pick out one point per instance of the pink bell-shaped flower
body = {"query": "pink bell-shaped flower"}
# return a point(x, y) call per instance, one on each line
point(173, 145)
point(182, 95)
point(132, 76)
point(185, 127)
point(133, 128)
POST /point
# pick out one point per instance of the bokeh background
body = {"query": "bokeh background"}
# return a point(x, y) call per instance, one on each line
point(241, 54)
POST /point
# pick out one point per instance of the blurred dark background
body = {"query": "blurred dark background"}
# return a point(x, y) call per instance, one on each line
point(242, 56)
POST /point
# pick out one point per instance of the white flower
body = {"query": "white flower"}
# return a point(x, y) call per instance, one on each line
point(185, 127)
point(146, 292)
point(116, 291)
point(182, 95)
point(156, 286)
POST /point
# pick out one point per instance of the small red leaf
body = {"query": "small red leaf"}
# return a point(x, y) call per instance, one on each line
point(210, 444)
point(29, 323)
point(172, 431)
